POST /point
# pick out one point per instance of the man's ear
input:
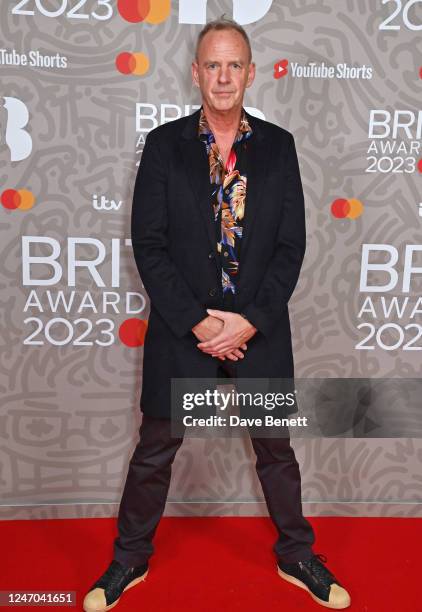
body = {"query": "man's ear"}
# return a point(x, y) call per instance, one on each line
point(251, 74)
point(195, 79)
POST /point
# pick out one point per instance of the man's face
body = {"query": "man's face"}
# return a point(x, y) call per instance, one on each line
point(222, 70)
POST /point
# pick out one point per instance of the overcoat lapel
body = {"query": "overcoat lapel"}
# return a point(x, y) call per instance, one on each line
point(197, 174)
point(257, 163)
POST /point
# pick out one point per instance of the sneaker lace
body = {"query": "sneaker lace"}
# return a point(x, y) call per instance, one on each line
point(322, 573)
point(114, 574)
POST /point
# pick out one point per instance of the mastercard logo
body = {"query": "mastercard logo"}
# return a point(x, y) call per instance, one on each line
point(132, 332)
point(132, 63)
point(150, 11)
point(350, 209)
point(17, 198)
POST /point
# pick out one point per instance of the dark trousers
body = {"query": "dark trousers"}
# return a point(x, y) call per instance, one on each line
point(148, 481)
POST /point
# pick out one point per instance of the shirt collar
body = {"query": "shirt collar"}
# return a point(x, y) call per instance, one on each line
point(244, 130)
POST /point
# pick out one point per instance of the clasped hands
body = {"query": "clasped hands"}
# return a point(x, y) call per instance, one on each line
point(224, 334)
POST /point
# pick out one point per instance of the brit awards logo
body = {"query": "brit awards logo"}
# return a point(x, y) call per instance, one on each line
point(395, 141)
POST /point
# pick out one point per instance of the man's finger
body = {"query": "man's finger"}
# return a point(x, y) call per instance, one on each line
point(234, 353)
point(225, 349)
point(223, 346)
point(218, 339)
point(219, 314)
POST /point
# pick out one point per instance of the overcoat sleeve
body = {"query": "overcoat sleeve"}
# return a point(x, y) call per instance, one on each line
point(166, 287)
point(282, 273)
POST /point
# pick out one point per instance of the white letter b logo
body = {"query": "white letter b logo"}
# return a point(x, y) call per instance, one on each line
point(17, 139)
point(244, 11)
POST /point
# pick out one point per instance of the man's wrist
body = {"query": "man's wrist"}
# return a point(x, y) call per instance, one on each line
point(198, 322)
point(242, 314)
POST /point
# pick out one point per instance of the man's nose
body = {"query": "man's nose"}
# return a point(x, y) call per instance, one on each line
point(224, 75)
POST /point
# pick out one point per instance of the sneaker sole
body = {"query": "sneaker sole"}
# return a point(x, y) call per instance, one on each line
point(302, 585)
point(128, 586)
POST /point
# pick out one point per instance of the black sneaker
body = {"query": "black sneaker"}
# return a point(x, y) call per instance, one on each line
point(106, 591)
point(317, 579)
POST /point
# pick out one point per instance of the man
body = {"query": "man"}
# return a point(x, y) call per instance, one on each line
point(218, 232)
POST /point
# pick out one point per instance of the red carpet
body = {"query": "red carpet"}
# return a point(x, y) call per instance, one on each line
point(218, 564)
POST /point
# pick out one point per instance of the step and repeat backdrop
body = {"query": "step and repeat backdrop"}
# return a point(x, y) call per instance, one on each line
point(82, 82)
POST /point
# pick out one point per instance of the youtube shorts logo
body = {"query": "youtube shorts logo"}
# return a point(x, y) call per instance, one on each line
point(280, 68)
point(321, 70)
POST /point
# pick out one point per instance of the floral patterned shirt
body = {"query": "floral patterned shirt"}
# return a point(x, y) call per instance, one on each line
point(228, 193)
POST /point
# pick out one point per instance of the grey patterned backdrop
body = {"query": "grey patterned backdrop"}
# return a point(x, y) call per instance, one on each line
point(80, 87)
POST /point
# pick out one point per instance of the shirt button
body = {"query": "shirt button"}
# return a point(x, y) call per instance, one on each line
point(226, 254)
point(227, 191)
point(212, 292)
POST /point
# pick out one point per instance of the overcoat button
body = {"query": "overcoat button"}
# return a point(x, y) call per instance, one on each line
point(210, 255)
point(212, 292)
